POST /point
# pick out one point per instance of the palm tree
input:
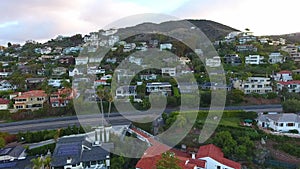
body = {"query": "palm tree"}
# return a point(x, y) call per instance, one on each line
point(110, 100)
point(101, 95)
point(47, 162)
point(37, 163)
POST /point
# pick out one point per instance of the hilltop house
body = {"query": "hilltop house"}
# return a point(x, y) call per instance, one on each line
point(33, 83)
point(12, 153)
point(5, 85)
point(165, 46)
point(291, 86)
point(126, 91)
point(276, 57)
point(66, 60)
point(254, 59)
point(32, 100)
point(59, 71)
point(259, 85)
point(246, 48)
point(168, 71)
point(159, 87)
point(81, 60)
point(213, 62)
point(148, 77)
point(232, 59)
point(284, 75)
point(283, 122)
point(62, 97)
point(4, 103)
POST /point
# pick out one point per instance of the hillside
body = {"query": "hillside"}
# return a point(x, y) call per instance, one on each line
point(213, 30)
point(291, 38)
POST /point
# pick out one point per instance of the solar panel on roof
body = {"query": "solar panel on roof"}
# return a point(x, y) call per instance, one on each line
point(5, 151)
point(8, 165)
point(71, 149)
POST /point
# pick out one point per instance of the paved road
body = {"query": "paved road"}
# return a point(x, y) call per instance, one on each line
point(94, 119)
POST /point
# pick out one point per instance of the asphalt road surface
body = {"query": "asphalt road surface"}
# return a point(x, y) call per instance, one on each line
point(115, 119)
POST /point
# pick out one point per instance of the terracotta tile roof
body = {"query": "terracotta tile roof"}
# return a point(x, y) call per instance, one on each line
point(289, 82)
point(216, 153)
point(4, 101)
point(285, 72)
point(32, 93)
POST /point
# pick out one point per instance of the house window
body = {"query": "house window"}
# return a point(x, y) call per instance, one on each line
point(218, 167)
point(19, 107)
point(40, 99)
point(281, 124)
point(290, 124)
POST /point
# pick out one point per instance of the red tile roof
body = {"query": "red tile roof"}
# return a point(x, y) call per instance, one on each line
point(285, 72)
point(216, 153)
point(4, 101)
point(289, 82)
point(32, 93)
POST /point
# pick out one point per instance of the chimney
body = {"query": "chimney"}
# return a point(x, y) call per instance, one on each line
point(69, 160)
point(193, 155)
point(107, 161)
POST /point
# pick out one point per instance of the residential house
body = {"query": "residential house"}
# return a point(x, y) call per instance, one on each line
point(165, 46)
point(111, 60)
point(284, 75)
point(4, 104)
point(215, 86)
point(276, 57)
point(76, 152)
point(168, 71)
point(94, 70)
point(213, 62)
point(135, 60)
point(57, 82)
point(199, 52)
point(59, 71)
point(291, 86)
point(109, 32)
point(12, 153)
point(100, 82)
point(129, 47)
point(106, 77)
point(6, 85)
point(123, 75)
point(32, 100)
point(126, 91)
point(232, 35)
point(254, 59)
point(232, 59)
point(66, 60)
point(33, 83)
point(184, 60)
point(291, 49)
point(208, 157)
point(81, 60)
point(297, 71)
point(148, 77)
point(95, 59)
point(245, 39)
point(295, 56)
point(113, 39)
point(62, 97)
point(76, 72)
point(246, 48)
point(159, 87)
point(283, 122)
point(4, 74)
point(259, 85)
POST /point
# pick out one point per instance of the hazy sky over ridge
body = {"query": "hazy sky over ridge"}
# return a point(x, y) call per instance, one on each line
point(41, 19)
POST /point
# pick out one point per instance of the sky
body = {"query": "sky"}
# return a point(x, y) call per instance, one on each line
point(45, 19)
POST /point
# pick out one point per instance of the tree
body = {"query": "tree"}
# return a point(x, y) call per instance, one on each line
point(291, 106)
point(101, 95)
point(2, 142)
point(37, 163)
point(110, 99)
point(224, 140)
point(168, 161)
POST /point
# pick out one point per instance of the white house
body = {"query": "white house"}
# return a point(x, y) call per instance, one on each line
point(129, 47)
point(213, 62)
point(283, 122)
point(292, 86)
point(75, 71)
point(126, 91)
point(148, 77)
point(95, 70)
point(135, 60)
point(81, 60)
point(260, 85)
point(5, 86)
point(100, 82)
point(56, 82)
point(106, 77)
point(12, 154)
point(165, 46)
point(169, 71)
point(276, 57)
point(159, 87)
point(254, 59)
point(4, 104)
point(284, 76)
